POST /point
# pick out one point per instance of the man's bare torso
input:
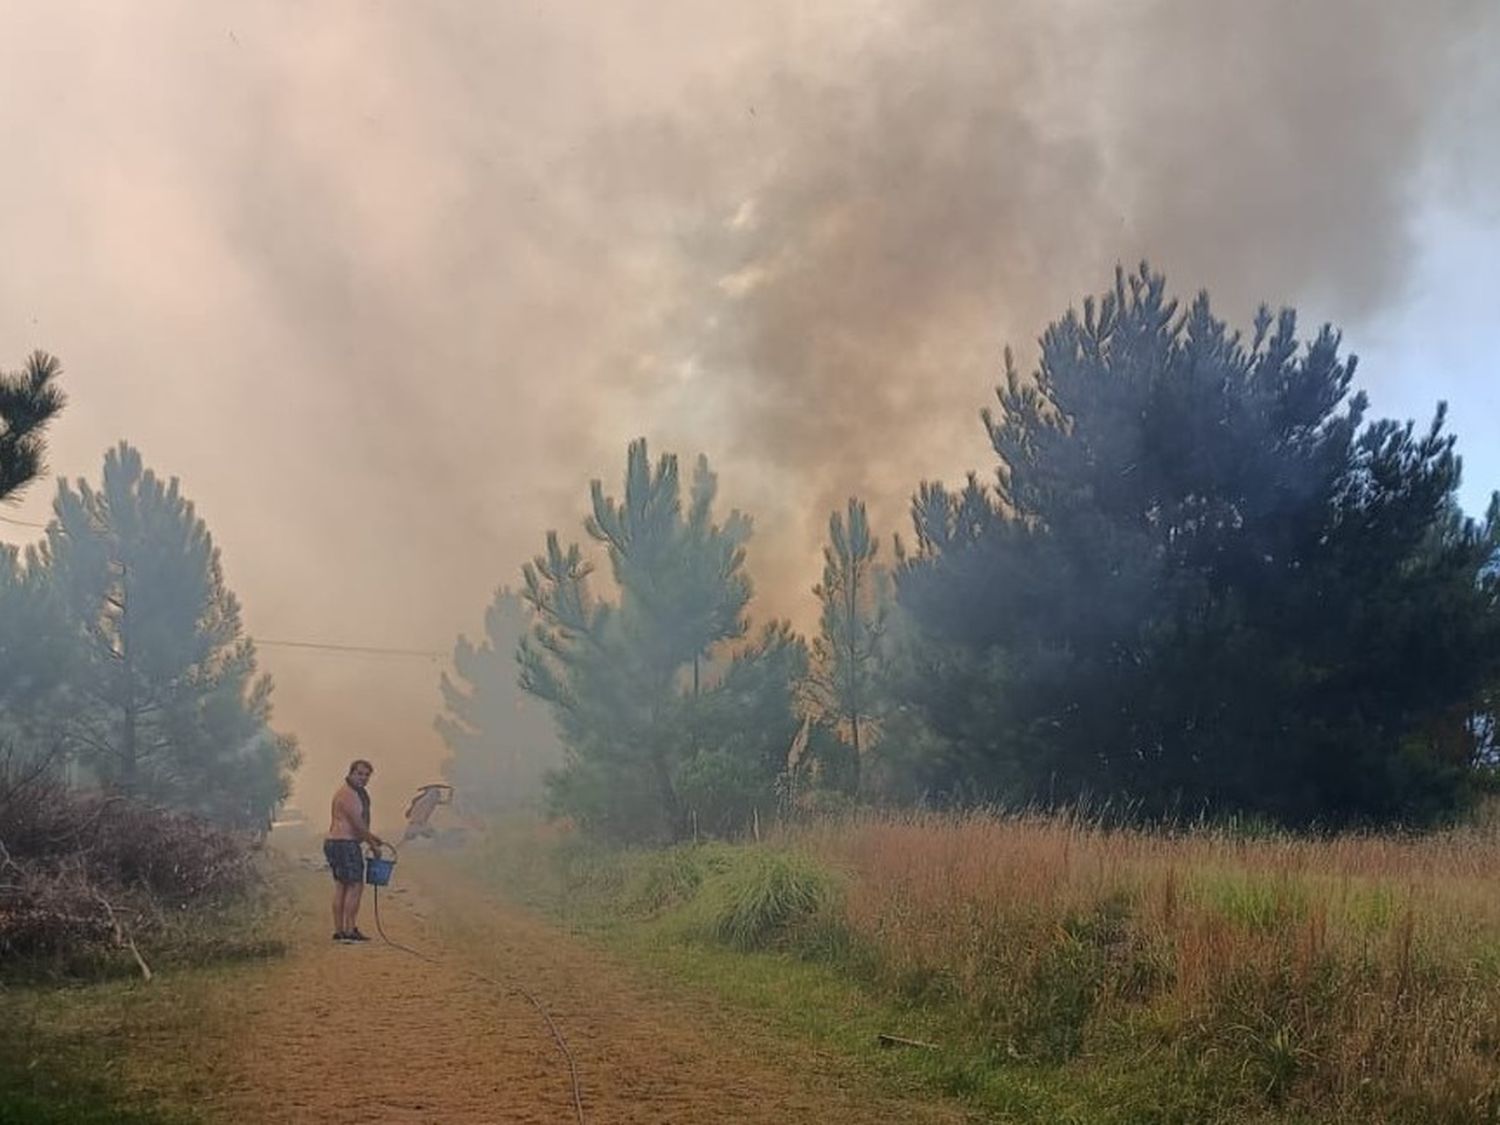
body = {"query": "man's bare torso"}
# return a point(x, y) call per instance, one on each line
point(347, 820)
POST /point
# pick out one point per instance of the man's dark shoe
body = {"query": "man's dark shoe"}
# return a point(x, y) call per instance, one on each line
point(355, 935)
point(339, 935)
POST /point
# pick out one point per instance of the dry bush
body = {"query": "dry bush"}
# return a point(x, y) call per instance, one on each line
point(85, 872)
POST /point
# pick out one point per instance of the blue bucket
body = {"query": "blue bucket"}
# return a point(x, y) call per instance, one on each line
point(378, 870)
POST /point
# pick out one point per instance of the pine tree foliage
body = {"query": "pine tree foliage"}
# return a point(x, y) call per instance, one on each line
point(169, 704)
point(844, 683)
point(29, 399)
point(745, 725)
point(624, 679)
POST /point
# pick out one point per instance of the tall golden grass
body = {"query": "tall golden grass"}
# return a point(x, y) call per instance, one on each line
point(1356, 977)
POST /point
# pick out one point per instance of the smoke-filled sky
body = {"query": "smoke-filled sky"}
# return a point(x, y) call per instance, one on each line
point(386, 283)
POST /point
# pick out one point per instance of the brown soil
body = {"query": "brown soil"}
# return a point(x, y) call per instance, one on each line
point(340, 1034)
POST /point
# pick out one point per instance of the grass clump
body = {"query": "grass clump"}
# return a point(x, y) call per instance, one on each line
point(658, 881)
point(767, 899)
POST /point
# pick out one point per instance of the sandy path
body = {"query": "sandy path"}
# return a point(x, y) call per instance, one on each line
point(341, 1034)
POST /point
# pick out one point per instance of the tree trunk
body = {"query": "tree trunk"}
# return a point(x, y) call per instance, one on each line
point(128, 752)
point(851, 587)
point(667, 795)
point(129, 743)
point(854, 738)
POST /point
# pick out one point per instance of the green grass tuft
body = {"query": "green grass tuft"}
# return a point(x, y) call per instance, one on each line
point(766, 899)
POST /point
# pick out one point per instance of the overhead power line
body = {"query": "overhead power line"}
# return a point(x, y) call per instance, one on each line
point(321, 646)
point(373, 650)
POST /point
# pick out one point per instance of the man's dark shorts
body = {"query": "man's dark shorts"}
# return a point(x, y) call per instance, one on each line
point(345, 860)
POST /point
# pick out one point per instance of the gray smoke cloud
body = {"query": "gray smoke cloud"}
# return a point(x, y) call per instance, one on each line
point(385, 284)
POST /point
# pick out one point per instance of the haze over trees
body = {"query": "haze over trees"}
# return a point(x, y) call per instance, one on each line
point(1199, 581)
point(501, 741)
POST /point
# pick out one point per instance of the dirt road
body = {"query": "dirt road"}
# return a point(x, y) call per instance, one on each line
point(340, 1034)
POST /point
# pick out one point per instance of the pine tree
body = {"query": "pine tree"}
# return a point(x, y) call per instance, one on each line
point(846, 655)
point(29, 399)
point(172, 708)
point(502, 741)
point(622, 678)
point(1202, 580)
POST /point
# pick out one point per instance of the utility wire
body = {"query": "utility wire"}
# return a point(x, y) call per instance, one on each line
point(369, 650)
point(365, 649)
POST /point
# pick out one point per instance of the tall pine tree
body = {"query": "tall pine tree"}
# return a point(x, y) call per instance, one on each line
point(1203, 581)
point(844, 679)
point(622, 679)
point(171, 707)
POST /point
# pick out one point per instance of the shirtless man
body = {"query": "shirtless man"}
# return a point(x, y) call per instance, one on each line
point(349, 828)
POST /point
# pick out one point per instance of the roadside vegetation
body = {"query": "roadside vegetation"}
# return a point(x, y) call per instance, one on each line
point(1061, 971)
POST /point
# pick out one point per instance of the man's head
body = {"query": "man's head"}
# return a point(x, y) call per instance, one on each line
point(359, 773)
